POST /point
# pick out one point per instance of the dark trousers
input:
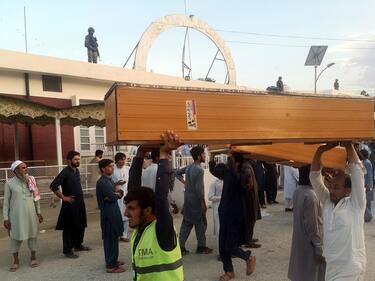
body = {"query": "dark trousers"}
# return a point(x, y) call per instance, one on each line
point(271, 194)
point(111, 251)
point(200, 231)
point(72, 238)
point(229, 239)
point(262, 199)
point(251, 229)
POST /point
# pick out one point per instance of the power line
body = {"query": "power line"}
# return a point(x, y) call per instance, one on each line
point(289, 36)
point(293, 46)
point(294, 36)
point(267, 44)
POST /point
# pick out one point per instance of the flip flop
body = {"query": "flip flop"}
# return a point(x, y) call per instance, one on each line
point(14, 267)
point(82, 248)
point(250, 265)
point(34, 263)
point(226, 276)
point(115, 270)
point(119, 263)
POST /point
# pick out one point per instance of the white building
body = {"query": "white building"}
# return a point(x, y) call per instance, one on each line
point(63, 83)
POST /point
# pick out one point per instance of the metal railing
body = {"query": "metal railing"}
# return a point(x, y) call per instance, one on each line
point(183, 161)
point(44, 175)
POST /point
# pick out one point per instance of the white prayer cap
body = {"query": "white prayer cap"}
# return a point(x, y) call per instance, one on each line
point(15, 164)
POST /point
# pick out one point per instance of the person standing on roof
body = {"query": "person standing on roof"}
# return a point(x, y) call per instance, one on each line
point(91, 43)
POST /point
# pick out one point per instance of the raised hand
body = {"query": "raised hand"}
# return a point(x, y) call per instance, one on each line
point(327, 147)
point(171, 141)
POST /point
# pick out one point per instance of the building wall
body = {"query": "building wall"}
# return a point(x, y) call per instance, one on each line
point(37, 142)
point(42, 144)
point(7, 143)
point(71, 87)
point(12, 83)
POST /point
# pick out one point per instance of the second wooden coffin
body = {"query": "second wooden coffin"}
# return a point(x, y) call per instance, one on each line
point(296, 154)
point(139, 114)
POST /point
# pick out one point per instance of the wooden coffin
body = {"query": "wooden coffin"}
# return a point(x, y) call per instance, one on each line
point(295, 154)
point(139, 114)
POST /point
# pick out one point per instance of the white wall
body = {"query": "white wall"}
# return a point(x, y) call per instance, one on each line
point(12, 83)
point(74, 89)
point(81, 88)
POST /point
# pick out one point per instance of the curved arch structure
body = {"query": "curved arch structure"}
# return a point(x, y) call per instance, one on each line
point(179, 20)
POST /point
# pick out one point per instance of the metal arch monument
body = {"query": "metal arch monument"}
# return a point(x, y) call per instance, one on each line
point(179, 20)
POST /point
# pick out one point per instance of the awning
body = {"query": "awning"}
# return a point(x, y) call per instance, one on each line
point(15, 110)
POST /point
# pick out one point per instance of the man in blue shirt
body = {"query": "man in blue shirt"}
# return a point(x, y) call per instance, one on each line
point(107, 194)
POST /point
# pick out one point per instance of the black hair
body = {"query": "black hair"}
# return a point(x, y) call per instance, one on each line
point(364, 154)
point(238, 157)
point(98, 152)
point(196, 151)
point(220, 167)
point(144, 195)
point(70, 155)
point(304, 175)
point(119, 156)
point(155, 155)
point(104, 163)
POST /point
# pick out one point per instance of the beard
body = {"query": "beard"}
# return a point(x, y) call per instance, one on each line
point(23, 176)
point(142, 221)
point(75, 165)
point(334, 200)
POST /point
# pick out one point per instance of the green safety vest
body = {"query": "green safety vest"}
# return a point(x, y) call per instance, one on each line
point(151, 263)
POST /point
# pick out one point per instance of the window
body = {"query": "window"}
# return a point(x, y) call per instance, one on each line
point(85, 138)
point(99, 135)
point(51, 83)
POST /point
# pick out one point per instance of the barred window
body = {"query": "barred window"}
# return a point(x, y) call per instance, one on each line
point(52, 83)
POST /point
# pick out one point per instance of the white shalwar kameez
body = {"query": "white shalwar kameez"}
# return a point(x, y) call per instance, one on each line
point(291, 176)
point(123, 175)
point(214, 195)
point(343, 239)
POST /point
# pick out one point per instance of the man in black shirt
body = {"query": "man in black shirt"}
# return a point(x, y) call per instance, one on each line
point(72, 218)
point(231, 212)
point(149, 215)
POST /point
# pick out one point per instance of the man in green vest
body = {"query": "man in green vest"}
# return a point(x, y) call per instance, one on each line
point(156, 254)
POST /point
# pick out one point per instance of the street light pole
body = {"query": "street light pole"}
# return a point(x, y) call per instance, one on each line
point(317, 77)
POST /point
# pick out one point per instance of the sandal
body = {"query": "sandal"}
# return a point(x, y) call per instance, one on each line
point(250, 265)
point(115, 270)
point(227, 276)
point(34, 263)
point(82, 248)
point(119, 263)
point(14, 267)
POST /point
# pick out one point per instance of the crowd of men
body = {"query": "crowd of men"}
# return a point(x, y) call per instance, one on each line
point(329, 210)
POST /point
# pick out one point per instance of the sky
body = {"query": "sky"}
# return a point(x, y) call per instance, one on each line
point(58, 28)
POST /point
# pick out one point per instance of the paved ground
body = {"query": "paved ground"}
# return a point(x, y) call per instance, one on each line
point(274, 231)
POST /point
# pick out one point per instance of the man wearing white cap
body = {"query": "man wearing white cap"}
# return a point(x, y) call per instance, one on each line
point(21, 211)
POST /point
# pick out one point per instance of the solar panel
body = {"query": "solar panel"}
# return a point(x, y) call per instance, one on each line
point(316, 55)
